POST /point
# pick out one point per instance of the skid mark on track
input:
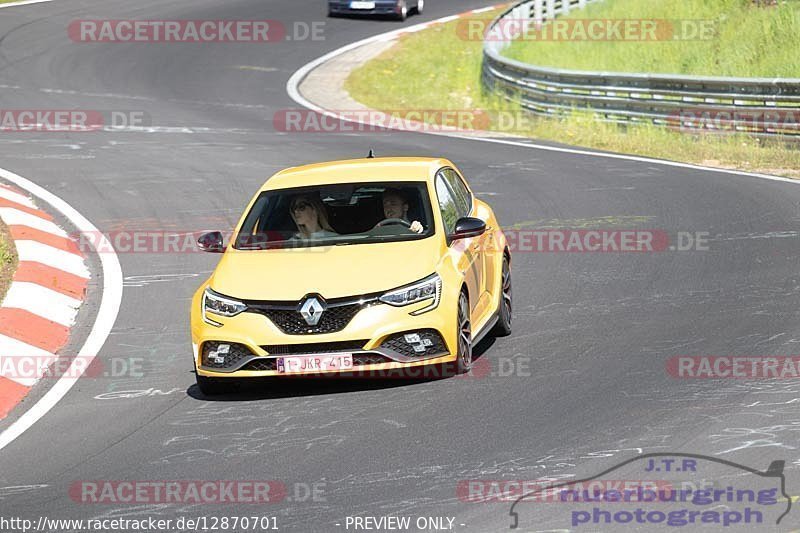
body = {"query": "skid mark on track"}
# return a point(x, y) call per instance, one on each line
point(256, 68)
point(603, 189)
point(141, 393)
point(15, 490)
point(610, 221)
point(273, 425)
point(151, 279)
point(787, 234)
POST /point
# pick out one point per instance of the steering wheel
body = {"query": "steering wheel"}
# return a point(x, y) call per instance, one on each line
point(392, 222)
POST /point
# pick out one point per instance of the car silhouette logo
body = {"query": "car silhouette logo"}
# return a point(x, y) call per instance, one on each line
point(312, 310)
point(775, 471)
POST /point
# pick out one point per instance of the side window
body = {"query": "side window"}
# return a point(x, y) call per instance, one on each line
point(447, 204)
point(460, 192)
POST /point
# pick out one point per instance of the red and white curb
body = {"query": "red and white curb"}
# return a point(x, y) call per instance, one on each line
point(109, 282)
point(46, 291)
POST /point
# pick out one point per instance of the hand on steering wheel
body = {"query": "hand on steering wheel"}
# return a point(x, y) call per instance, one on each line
point(392, 222)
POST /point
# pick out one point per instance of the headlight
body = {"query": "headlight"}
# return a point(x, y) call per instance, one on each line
point(429, 288)
point(221, 305)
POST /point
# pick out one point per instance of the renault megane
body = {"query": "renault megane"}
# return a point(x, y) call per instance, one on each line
point(359, 266)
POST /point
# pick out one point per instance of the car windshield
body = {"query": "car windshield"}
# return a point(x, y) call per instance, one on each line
point(353, 213)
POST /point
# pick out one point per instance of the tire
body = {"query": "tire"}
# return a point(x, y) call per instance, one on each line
point(420, 7)
point(214, 386)
point(403, 15)
point(464, 336)
point(505, 306)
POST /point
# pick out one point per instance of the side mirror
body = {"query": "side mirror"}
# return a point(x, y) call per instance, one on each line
point(468, 227)
point(211, 242)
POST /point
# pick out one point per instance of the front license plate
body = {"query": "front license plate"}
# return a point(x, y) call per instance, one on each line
point(362, 5)
point(301, 364)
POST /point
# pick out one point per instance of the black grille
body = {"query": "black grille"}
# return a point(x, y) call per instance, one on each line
point(261, 363)
point(286, 315)
point(361, 359)
point(236, 354)
point(333, 319)
point(398, 343)
point(313, 347)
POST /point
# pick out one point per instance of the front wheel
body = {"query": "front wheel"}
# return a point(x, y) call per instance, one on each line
point(503, 326)
point(420, 7)
point(403, 13)
point(214, 386)
point(464, 355)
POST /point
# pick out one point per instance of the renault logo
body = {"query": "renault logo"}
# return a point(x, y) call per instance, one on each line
point(312, 310)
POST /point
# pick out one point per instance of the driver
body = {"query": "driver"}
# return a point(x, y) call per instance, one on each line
point(395, 205)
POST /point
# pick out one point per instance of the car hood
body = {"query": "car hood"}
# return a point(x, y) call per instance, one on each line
point(331, 271)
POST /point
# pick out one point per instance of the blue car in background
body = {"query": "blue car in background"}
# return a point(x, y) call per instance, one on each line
point(394, 8)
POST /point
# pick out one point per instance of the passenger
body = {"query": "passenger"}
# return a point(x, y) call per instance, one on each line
point(395, 206)
point(311, 218)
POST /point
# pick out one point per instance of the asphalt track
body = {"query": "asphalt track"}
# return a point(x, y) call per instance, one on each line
point(595, 329)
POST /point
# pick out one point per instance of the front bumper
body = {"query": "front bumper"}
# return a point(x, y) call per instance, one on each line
point(381, 8)
point(375, 336)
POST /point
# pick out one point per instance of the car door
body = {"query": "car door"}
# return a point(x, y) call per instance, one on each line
point(469, 260)
point(486, 242)
point(488, 245)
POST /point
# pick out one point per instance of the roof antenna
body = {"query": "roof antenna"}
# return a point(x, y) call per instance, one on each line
point(371, 154)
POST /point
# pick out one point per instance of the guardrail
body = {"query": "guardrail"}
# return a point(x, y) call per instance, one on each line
point(759, 106)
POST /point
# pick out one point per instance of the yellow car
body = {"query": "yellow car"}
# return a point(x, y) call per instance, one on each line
point(375, 266)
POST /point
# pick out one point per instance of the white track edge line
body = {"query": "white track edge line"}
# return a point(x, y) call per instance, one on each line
point(293, 89)
point(110, 302)
point(24, 3)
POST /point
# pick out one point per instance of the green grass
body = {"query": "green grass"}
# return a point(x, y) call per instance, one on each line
point(7, 255)
point(8, 260)
point(749, 41)
point(437, 69)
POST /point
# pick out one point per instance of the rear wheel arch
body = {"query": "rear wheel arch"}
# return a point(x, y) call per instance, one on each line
point(505, 307)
